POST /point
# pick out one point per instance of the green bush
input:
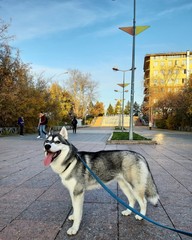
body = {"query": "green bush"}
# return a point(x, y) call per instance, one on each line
point(171, 123)
point(161, 123)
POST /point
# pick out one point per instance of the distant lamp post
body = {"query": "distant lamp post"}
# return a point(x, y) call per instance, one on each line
point(121, 116)
point(118, 109)
point(123, 85)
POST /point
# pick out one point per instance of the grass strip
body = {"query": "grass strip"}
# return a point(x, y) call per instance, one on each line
point(125, 136)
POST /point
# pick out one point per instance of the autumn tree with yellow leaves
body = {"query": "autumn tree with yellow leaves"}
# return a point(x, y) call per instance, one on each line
point(23, 94)
point(175, 110)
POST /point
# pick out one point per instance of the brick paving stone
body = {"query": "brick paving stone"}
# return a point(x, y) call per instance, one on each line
point(98, 223)
point(35, 205)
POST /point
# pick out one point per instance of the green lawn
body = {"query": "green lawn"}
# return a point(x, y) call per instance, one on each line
point(125, 136)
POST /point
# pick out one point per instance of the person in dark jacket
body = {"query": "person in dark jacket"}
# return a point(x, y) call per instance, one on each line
point(21, 125)
point(74, 124)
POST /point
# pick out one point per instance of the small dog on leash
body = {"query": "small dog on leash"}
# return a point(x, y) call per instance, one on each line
point(128, 168)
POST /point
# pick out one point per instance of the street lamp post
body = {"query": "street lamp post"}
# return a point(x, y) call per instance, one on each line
point(118, 109)
point(123, 85)
point(133, 30)
point(132, 74)
point(122, 108)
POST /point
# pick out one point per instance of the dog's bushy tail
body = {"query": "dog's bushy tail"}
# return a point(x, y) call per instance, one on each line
point(151, 190)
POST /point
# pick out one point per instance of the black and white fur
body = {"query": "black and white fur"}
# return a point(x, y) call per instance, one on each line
point(128, 168)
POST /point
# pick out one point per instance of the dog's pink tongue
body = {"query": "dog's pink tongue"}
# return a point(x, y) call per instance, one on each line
point(48, 159)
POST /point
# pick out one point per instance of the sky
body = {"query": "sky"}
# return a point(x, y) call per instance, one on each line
point(54, 36)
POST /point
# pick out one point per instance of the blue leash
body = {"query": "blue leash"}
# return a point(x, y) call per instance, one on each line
point(127, 206)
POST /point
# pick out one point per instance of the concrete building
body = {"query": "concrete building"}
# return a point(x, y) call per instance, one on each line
point(164, 73)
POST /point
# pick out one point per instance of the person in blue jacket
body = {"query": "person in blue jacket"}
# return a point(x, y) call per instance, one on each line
point(21, 125)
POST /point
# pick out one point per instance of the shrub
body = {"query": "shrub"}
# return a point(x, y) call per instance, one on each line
point(161, 123)
point(171, 123)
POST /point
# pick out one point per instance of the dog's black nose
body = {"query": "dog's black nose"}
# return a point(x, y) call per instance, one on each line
point(47, 146)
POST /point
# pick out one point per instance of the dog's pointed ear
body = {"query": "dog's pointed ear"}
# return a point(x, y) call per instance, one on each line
point(64, 132)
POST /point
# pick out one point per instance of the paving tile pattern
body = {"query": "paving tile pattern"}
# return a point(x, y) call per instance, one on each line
point(35, 205)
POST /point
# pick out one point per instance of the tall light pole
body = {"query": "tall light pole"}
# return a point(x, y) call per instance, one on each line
point(134, 30)
point(123, 85)
point(132, 75)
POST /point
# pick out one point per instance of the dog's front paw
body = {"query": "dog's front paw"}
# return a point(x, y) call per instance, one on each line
point(137, 217)
point(72, 231)
point(126, 212)
point(71, 217)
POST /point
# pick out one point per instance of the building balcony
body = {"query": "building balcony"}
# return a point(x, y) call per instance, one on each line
point(146, 83)
point(146, 91)
point(146, 98)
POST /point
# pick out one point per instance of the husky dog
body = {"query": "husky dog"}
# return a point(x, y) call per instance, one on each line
point(128, 168)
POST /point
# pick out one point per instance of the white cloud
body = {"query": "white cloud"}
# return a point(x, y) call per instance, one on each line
point(32, 18)
point(49, 72)
point(175, 9)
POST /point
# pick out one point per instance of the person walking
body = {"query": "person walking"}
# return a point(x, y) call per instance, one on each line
point(150, 125)
point(42, 125)
point(74, 124)
point(21, 125)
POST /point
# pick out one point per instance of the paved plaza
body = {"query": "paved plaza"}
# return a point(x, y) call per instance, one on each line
point(34, 204)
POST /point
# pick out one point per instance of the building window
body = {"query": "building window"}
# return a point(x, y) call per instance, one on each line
point(183, 80)
point(176, 71)
point(155, 82)
point(155, 90)
point(163, 72)
point(162, 81)
point(169, 81)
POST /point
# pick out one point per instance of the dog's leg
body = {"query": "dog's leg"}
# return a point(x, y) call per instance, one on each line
point(140, 197)
point(77, 202)
point(128, 193)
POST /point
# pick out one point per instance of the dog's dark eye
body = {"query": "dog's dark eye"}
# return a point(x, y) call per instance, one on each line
point(57, 142)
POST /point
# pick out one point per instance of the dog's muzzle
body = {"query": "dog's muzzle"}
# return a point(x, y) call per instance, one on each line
point(49, 156)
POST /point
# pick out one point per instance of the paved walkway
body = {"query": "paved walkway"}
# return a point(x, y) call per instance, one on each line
point(35, 205)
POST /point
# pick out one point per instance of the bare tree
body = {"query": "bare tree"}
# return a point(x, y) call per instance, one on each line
point(4, 37)
point(83, 91)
